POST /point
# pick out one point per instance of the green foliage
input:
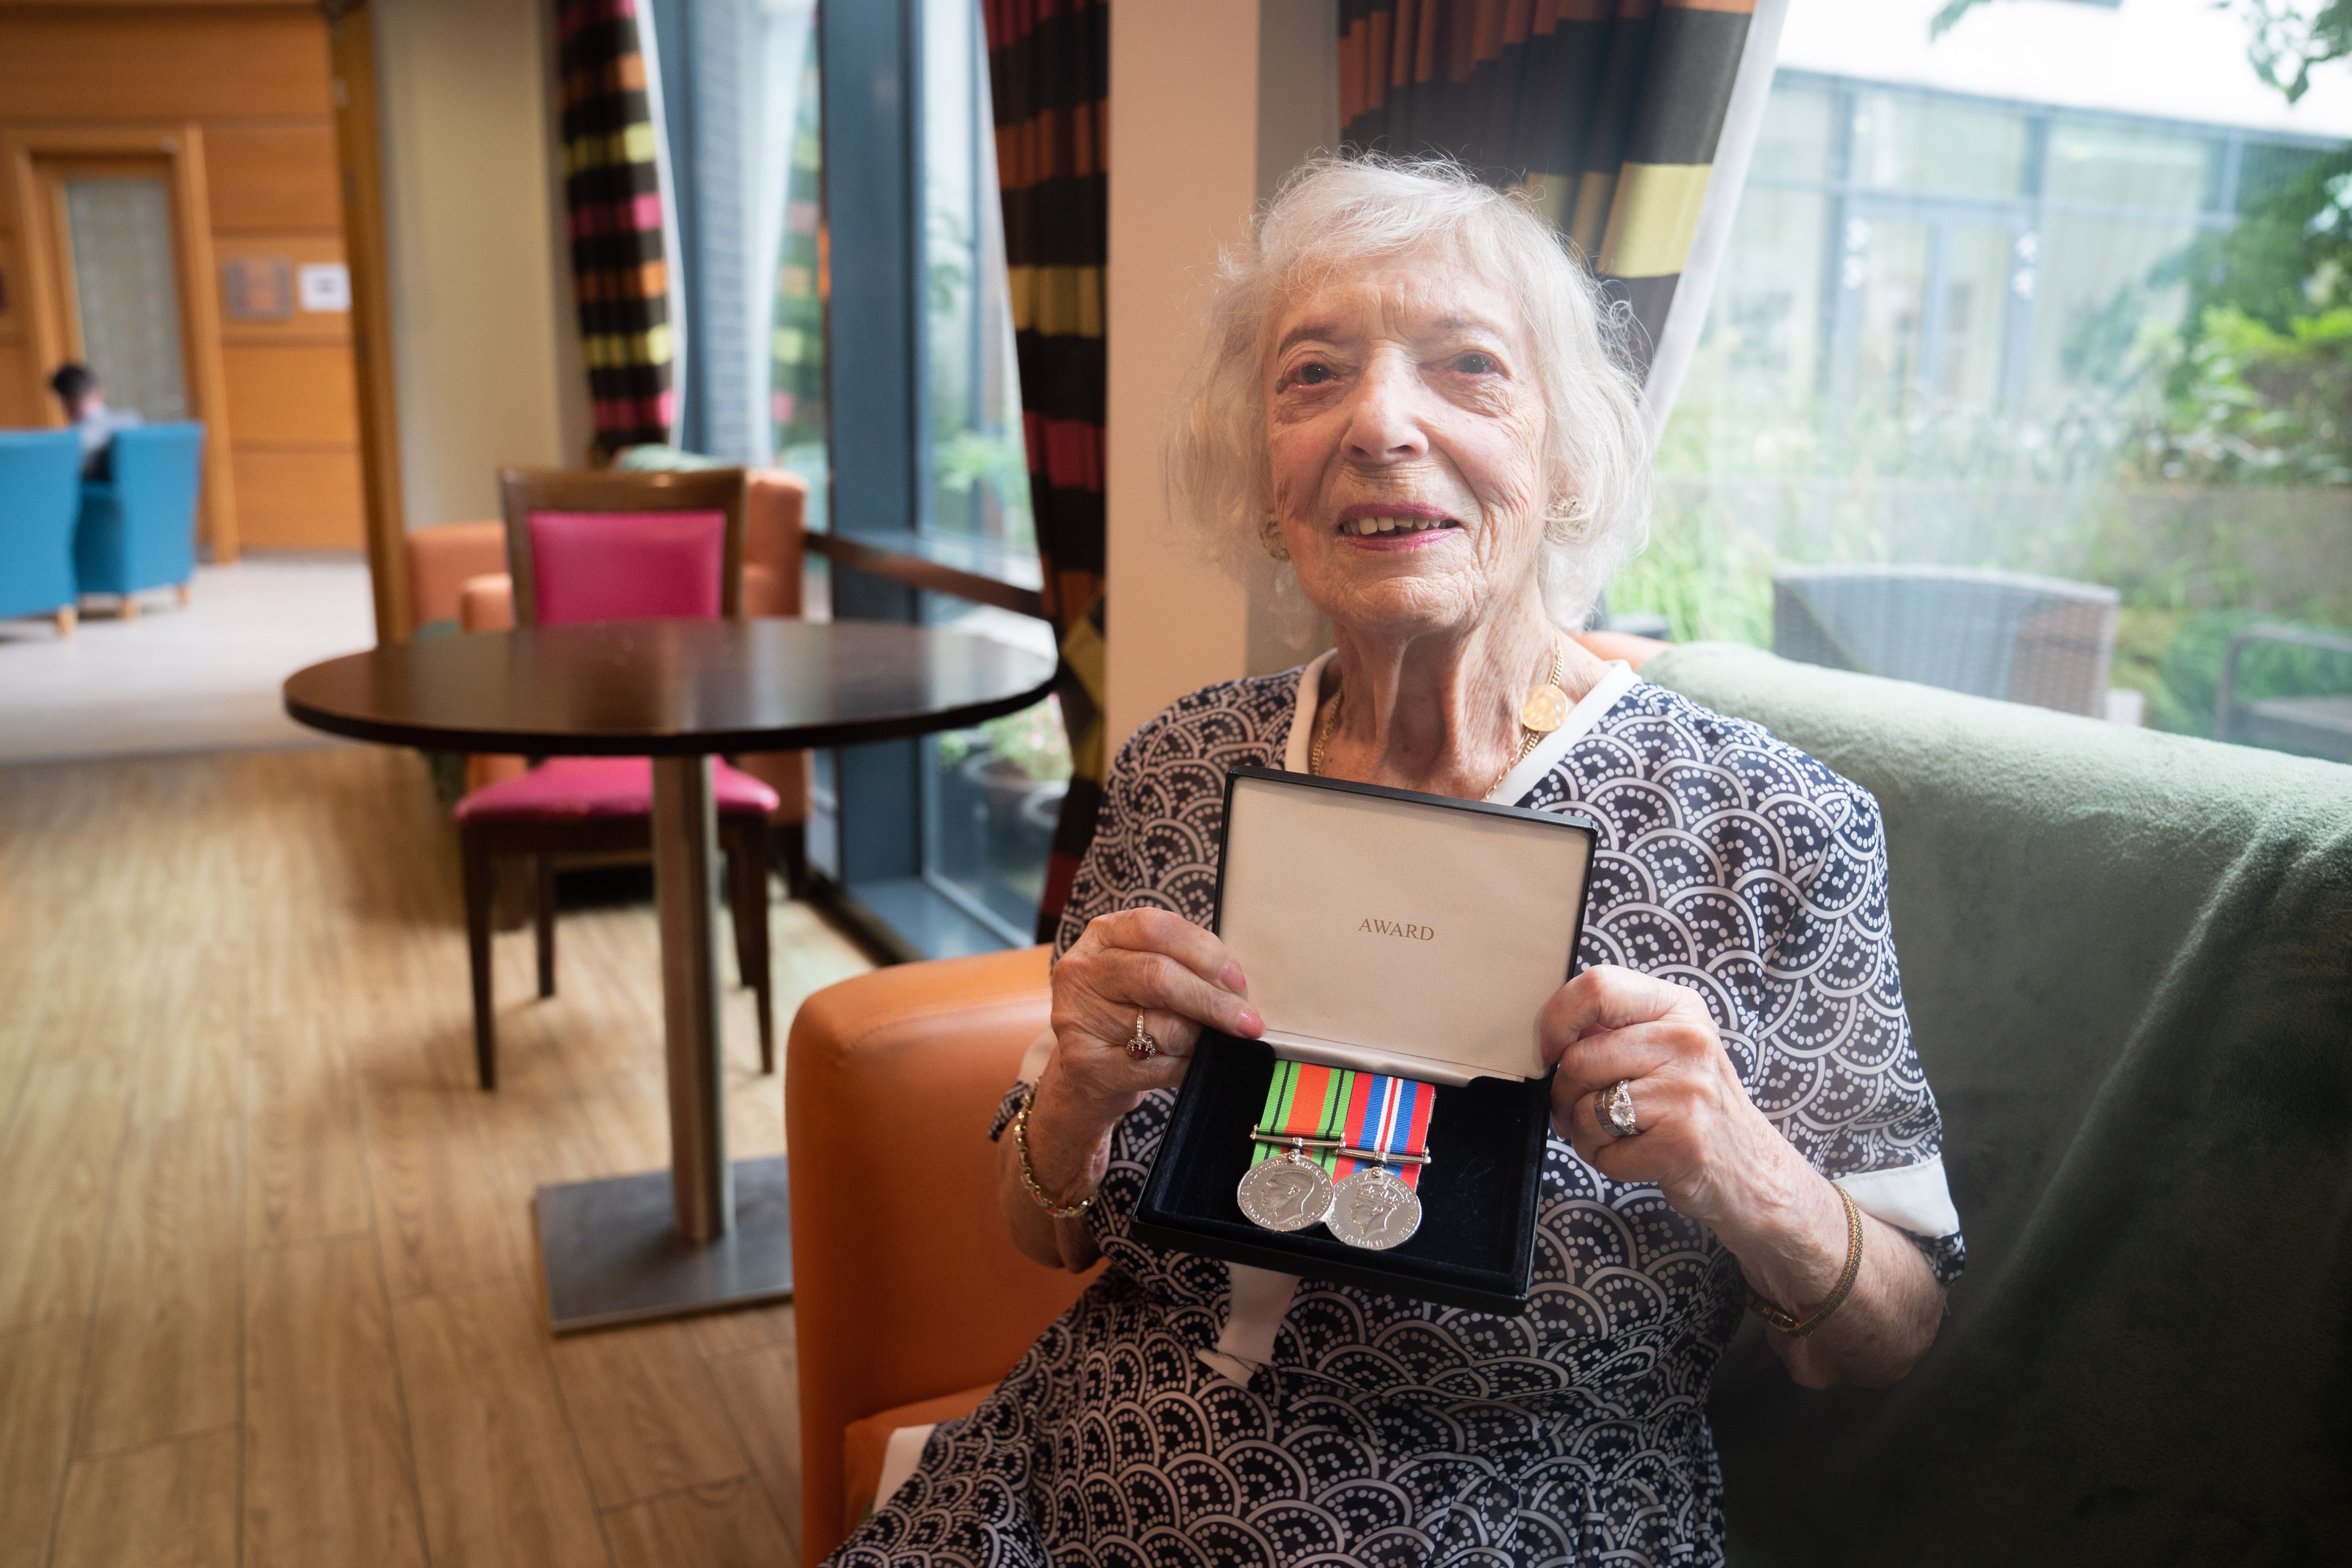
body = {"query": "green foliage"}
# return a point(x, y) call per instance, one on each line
point(1034, 739)
point(2287, 43)
point(969, 456)
point(2289, 253)
point(2244, 403)
point(2191, 669)
point(1710, 581)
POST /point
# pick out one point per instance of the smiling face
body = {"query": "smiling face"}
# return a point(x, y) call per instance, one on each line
point(1405, 430)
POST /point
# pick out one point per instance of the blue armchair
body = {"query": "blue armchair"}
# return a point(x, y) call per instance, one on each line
point(40, 479)
point(138, 530)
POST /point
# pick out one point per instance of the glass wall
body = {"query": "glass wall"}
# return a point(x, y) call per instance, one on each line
point(980, 475)
point(1980, 333)
point(944, 838)
point(792, 245)
point(989, 794)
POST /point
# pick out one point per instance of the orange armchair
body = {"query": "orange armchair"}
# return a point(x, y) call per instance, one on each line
point(910, 1300)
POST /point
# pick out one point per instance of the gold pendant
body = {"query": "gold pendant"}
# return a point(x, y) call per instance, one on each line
point(1546, 710)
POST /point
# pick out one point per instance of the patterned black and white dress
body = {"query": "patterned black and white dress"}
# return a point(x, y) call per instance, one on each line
point(1385, 1431)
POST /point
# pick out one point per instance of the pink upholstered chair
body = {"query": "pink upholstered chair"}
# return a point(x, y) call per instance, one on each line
point(595, 547)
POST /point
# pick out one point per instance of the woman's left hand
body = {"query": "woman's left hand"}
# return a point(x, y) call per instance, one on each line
point(1711, 1151)
point(1702, 1140)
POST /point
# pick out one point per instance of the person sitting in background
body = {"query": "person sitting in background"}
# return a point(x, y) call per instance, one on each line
point(84, 401)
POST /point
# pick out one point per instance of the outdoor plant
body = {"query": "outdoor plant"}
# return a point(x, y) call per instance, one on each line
point(1032, 740)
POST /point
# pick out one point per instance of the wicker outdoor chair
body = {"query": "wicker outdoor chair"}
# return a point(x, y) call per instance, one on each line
point(2036, 640)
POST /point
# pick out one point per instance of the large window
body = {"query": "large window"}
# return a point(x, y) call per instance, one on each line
point(1967, 331)
point(802, 134)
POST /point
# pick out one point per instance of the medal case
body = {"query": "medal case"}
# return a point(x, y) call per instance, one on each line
point(1387, 932)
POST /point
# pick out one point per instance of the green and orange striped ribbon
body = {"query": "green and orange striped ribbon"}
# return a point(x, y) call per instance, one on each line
point(1306, 1099)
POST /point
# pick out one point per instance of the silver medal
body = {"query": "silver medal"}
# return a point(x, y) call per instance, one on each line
point(1286, 1193)
point(1373, 1209)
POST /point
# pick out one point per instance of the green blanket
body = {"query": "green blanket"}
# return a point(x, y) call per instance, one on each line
point(2129, 962)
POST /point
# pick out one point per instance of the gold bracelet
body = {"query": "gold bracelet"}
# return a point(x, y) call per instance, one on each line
point(1788, 1323)
point(1029, 1176)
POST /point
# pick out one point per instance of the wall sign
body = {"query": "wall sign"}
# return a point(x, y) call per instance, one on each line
point(325, 286)
point(258, 288)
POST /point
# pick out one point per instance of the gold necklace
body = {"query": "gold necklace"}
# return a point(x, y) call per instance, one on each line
point(1545, 710)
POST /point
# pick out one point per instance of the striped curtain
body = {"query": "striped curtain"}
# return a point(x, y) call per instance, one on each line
point(1611, 114)
point(612, 188)
point(1049, 69)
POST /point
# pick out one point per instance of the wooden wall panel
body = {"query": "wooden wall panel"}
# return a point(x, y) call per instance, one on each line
point(104, 62)
point(255, 79)
point(272, 177)
point(18, 409)
point(300, 500)
point(290, 393)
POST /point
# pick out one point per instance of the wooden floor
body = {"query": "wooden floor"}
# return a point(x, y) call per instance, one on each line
point(267, 1273)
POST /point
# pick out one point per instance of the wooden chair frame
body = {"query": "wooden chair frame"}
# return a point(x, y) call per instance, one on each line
point(743, 835)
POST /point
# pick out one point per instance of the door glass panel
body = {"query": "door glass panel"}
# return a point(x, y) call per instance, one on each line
point(1887, 266)
point(128, 290)
point(1976, 290)
point(2093, 291)
point(1767, 314)
point(1906, 142)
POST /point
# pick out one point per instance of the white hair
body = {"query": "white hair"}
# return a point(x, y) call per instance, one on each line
point(1334, 213)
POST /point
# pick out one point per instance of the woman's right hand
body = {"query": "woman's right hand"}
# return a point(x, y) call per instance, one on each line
point(1179, 978)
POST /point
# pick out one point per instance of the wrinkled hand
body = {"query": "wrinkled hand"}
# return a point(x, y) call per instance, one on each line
point(1702, 1140)
point(1179, 976)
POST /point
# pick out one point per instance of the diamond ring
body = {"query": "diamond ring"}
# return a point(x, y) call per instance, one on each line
point(1614, 1110)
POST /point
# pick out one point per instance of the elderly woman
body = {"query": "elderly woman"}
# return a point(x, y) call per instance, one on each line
point(1408, 413)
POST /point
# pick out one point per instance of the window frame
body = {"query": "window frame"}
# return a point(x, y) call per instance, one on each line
point(2026, 214)
point(872, 862)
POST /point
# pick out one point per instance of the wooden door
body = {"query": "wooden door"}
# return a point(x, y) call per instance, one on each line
point(119, 266)
point(113, 237)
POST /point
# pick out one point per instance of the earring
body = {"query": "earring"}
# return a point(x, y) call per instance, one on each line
point(1269, 534)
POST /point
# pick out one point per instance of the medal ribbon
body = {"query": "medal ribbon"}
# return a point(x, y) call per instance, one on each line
point(1387, 1116)
point(1306, 1099)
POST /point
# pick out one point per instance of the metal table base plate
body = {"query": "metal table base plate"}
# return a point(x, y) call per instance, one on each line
point(612, 1253)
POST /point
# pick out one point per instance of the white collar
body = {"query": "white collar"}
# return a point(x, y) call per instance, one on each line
point(1617, 680)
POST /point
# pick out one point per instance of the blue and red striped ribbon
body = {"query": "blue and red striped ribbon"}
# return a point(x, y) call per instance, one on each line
point(1387, 1116)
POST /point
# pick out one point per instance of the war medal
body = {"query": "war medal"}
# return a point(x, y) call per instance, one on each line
point(1371, 1204)
point(1288, 1185)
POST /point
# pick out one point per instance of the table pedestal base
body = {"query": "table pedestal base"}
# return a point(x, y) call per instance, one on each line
point(612, 1253)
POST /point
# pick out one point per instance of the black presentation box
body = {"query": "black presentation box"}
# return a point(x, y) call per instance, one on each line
point(1386, 931)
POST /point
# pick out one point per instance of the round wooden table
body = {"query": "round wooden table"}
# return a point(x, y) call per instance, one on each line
point(707, 1233)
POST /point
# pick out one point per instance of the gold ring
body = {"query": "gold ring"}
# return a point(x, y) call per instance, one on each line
point(1141, 1047)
